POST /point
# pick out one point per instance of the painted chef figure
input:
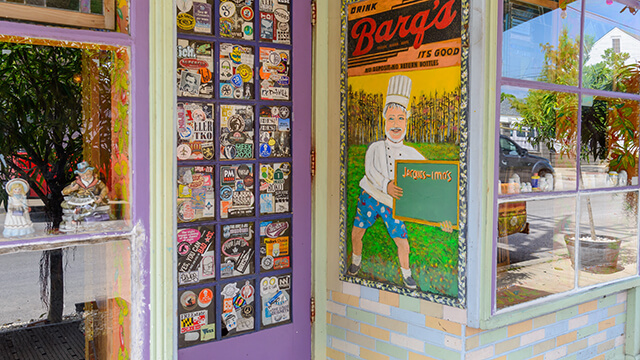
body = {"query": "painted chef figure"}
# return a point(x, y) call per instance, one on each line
point(378, 185)
point(17, 221)
point(85, 199)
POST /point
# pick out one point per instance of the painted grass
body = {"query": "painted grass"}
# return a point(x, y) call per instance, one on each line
point(434, 253)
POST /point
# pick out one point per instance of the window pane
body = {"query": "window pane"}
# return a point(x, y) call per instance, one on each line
point(609, 153)
point(82, 294)
point(611, 46)
point(544, 160)
point(532, 259)
point(64, 125)
point(608, 237)
point(541, 43)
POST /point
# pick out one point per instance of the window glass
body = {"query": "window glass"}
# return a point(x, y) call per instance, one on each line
point(541, 42)
point(609, 152)
point(84, 6)
point(64, 124)
point(608, 237)
point(544, 160)
point(532, 259)
point(611, 46)
point(81, 293)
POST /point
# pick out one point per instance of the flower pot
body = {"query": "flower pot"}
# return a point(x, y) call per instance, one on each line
point(600, 253)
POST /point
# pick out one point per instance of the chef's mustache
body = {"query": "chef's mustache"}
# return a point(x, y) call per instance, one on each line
point(396, 129)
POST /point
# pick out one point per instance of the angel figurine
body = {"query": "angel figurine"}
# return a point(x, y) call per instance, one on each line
point(17, 221)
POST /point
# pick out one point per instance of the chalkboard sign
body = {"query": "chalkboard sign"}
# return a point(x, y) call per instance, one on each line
point(430, 192)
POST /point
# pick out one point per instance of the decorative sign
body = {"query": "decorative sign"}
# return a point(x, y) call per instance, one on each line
point(236, 132)
point(425, 184)
point(275, 131)
point(275, 292)
point(275, 21)
point(275, 244)
point(196, 198)
point(236, 71)
point(238, 307)
point(237, 250)
point(195, 131)
point(236, 19)
point(275, 188)
point(236, 191)
point(275, 81)
point(404, 104)
point(196, 316)
point(194, 16)
point(195, 68)
point(196, 257)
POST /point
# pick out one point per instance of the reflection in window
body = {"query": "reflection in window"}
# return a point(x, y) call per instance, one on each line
point(65, 126)
point(87, 316)
point(532, 258)
point(592, 134)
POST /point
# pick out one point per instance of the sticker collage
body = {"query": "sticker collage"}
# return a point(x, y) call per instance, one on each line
point(234, 154)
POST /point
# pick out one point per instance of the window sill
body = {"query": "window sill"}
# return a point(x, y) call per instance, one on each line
point(536, 308)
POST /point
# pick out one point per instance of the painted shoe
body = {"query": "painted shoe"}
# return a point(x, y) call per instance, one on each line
point(353, 269)
point(409, 282)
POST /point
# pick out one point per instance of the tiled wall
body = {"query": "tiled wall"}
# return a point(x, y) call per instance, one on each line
point(365, 323)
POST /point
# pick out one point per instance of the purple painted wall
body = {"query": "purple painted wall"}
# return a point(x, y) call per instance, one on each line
point(291, 341)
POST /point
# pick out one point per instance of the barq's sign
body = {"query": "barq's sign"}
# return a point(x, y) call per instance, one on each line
point(383, 26)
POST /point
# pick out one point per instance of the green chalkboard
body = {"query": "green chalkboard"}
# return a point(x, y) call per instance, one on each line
point(430, 192)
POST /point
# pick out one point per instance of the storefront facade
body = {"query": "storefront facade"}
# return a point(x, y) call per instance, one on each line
point(236, 141)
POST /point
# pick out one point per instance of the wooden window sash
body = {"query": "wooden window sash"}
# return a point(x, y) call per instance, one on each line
point(107, 20)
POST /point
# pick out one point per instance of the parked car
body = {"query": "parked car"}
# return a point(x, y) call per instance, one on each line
point(516, 160)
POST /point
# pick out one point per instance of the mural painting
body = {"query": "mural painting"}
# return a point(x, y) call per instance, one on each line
point(403, 146)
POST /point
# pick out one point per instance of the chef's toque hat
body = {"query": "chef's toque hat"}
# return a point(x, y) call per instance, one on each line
point(399, 90)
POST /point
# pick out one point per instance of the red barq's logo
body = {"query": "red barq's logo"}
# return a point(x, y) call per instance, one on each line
point(367, 32)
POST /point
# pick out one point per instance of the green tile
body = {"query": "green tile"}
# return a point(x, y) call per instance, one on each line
point(442, 353)
point(587, 330)
point(616, 353)
point(349, 357)
point(567, 313)
point(409, 303)
point(490, 337)
point(391, 350)
point(621, 319)
point(607, 301)
point(336, 332)
point(571, 357)
point(521, 354)
point(361, 316)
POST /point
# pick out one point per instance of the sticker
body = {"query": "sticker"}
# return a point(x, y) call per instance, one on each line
point(281, 263)
point(281, 15)
point(191, 336)
point(203, 16)
point(195, 131)
point(245, 72)
point(267, 262)
point(233, 18)
point(195, 193)
point(268, 285)
point(236, 132)
point(184, 5)
point(276, 304)
point(238, 311)
point(208, 332)
point(193, 321)
point(247, 13)
point(266, 26)
point(276, 229)
point(237, 249)
point(185, 21)
point(205, 297)
point(188, 300)
point(275, 243)
point(196, 259)
point(225, 193)
point(192, 56)
point(227, 9)
point(274, 72)
point(275, 188)
point(236, 74)
point(247, 31)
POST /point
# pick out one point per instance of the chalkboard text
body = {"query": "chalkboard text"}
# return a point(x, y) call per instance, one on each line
point(434, 175)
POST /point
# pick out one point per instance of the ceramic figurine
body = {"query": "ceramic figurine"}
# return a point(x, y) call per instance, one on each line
point(17, 221)
point(85, 199)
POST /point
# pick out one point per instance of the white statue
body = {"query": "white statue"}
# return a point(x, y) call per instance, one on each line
point(17, 221)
